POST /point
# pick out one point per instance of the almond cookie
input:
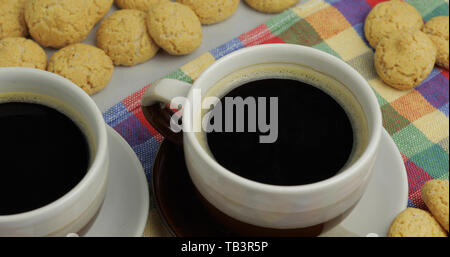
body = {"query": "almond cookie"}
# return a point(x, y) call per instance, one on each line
point(54, 23)
point(175, 28)
point(389, 16)
point(210, 12)
point(99, 8)
point(405, 58)
point(435, 195)
point(414, 222)
point(271, 6)
point(124, 37)
point(12, 22)
point(142, 5)
point(22, 52)
point(85, 65)
point(437, 29)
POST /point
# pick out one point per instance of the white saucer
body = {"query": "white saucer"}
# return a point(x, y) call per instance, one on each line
point(125, 208)
point(385, 198)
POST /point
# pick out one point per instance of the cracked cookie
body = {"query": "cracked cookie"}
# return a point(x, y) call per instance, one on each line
point(124, 37)
point(54, 23)
point(414, 222)
point(405, 58)
point(85, 65)
point(22, 52)
point(435, 194)
point(175, 28)
point(438, 29)
point(210, 12)
point(387, 17)
point(12, 22)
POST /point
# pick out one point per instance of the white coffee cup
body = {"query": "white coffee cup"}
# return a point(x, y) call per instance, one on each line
point(263, 205)
point(75, 209)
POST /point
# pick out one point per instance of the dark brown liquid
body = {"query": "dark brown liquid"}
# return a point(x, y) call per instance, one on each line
point(44, 155)
point(315, 136)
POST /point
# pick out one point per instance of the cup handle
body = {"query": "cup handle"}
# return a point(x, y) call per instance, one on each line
point(155, 106)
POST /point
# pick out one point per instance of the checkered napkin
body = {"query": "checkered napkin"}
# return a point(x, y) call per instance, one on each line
point(417, 120)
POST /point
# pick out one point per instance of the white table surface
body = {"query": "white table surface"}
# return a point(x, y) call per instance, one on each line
point(127, 80)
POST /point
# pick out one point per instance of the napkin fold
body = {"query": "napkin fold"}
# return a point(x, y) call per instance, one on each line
point(417, 120)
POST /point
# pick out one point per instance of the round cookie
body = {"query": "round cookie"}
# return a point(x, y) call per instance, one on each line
point(405, 58)
point(54, 23)
point(142, 5)
point(271, 6)
point(389, 16)
point(438, 29)
point(175, 28)
point(435, 194)
point(124, 37)
point(99, 8)
point(12, 22)
point(414, 222)
point(85, 65)
point(22, 52)
point(210, 12)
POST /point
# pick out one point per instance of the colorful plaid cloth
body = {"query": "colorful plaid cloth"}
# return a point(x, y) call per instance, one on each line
point(417, 119)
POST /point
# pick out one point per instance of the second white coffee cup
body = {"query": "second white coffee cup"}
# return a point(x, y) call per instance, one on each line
point(271, 206)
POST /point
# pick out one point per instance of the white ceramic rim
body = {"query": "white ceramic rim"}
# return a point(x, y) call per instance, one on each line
point(101, 145)
point(374, 131)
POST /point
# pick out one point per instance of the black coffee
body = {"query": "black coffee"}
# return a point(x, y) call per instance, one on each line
point(44, 155)
point(315, 136)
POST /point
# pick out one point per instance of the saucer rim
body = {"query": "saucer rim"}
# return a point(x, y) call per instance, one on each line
point(141, 180)
point(403, 174)
point(403, 188)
